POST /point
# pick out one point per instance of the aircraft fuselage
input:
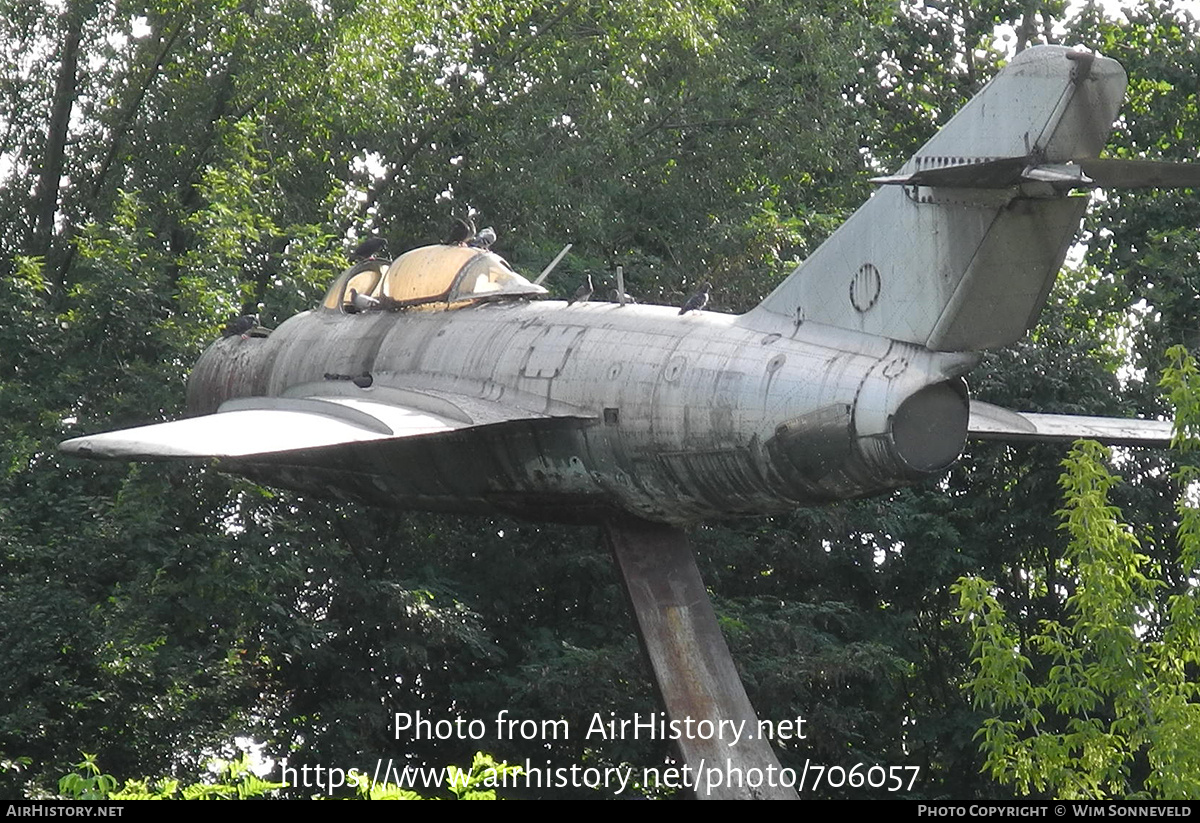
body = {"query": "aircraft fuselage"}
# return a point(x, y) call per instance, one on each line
point(673, 418)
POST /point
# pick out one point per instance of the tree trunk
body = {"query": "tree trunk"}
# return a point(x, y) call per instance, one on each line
point(65, 89)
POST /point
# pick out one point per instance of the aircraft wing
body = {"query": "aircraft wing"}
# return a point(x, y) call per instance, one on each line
point(252, 427)
point(990, 422)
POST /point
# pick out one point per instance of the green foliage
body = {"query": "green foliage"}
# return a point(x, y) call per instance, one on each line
point(477, 783)
point(235, 780)
point(480, 782)
point(1103, 702)
point(88, 783)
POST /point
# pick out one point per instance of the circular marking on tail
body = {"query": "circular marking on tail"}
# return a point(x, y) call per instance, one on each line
point(865, 287)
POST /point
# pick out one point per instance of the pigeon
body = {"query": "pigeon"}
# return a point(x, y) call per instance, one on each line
point(583, 293)
point(240, 326)
point(367, 249)
point(484, 239)
point(460, 232)
point(615, 296)
point(697, 301)
point(362, 302)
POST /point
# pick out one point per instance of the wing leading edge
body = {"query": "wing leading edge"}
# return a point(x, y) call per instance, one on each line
point(251, 427)
point(990, 422)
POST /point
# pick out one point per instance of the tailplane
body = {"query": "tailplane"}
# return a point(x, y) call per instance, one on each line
point(960, 252)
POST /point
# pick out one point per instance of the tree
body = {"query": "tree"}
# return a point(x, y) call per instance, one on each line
point(1102, 703)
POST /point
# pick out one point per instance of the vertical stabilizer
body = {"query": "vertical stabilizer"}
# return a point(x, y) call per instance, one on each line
point(964, 259)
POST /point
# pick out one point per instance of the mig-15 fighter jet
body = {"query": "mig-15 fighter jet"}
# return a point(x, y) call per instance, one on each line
point(438, 380)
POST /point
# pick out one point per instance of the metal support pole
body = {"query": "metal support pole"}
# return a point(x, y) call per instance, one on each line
point(692, 667)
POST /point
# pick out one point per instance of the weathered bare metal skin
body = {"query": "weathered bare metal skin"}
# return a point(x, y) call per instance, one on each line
point(682, 416)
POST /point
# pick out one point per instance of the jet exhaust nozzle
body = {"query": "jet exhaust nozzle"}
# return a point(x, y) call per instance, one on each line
point(930, 427)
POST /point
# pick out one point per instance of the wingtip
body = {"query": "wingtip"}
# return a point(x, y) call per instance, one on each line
point(76, 445)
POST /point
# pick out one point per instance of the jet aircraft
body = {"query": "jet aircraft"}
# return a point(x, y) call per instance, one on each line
point(440, 381)
point(452, 388)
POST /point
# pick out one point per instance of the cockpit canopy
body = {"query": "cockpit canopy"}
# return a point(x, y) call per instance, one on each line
point(431, 276)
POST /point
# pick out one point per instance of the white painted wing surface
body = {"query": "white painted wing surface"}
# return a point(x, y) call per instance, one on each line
point(990, 422)
point(262, 426)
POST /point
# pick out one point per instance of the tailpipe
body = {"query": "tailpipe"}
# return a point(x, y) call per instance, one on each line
point(929, 428)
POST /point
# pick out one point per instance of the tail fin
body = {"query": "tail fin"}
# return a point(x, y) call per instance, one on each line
point(964, 261)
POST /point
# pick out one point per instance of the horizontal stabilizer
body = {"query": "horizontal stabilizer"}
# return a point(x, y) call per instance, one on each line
point(1083, 173)
point(990, 422)
point(985, 174)
point(1141, 174)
